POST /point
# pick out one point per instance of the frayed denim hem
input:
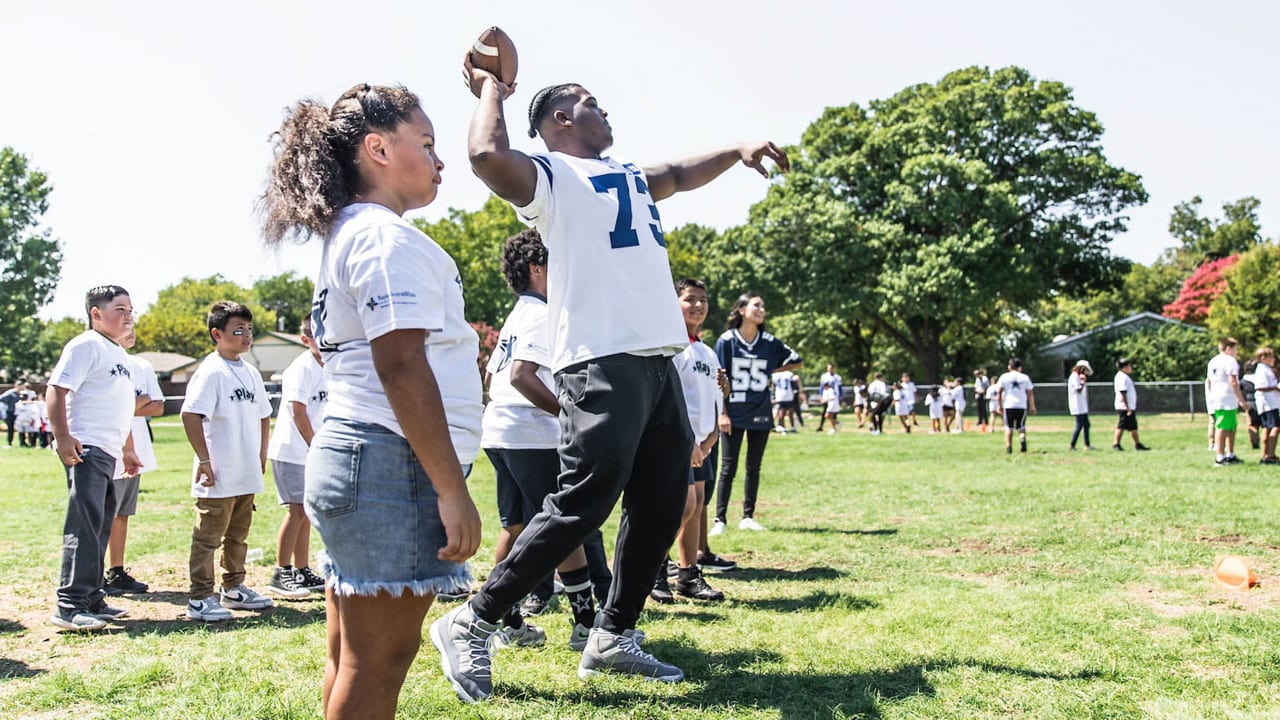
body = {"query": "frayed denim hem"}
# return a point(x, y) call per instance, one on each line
point(455, 582)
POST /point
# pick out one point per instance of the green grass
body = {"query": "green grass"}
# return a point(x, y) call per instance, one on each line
point(903, 577)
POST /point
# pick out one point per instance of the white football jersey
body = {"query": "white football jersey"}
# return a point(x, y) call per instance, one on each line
point(609, 286)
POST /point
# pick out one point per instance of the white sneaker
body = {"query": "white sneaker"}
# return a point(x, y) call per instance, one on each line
point(779, 429)
point(241, 597)
point(208, 610)
point(750, 524)
point(832, 431)
point(717, 528)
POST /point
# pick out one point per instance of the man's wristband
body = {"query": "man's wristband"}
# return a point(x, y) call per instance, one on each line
point(203, 462)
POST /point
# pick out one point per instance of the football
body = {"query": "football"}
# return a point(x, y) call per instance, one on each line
point(494, 52)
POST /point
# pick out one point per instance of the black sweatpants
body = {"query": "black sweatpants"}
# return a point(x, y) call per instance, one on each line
point(624, 433)
point(756, 441)
point(91, 509)
point(532, 475)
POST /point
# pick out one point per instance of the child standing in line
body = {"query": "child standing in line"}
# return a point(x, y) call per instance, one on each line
point(700, 375)
point(902, 406)
point(302, 400)
point(933, 401)
point(957, 400)
point(227, 418)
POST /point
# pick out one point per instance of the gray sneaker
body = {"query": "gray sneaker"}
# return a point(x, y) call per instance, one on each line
point(241, 597)
point(463, 642)
point(527, 635)
point(610, 652)
point(208, 610)
point(77, 620)
point(578, 638)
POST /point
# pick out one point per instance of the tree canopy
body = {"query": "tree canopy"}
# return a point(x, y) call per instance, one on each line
point(935, 215)
point(1208, 239)
point(474, 240)
point(176, 322)
point(30, 259)
point(1249, 308)
point(288, 295)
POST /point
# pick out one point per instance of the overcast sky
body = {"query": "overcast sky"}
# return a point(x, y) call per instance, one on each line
point(152, 118)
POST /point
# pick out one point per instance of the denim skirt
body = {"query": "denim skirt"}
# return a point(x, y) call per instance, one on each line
point(375, 509)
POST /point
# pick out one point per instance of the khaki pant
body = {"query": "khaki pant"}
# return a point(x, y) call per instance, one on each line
point(225, 522)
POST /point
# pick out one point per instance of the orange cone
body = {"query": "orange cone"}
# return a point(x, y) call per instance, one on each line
point(1233, 571)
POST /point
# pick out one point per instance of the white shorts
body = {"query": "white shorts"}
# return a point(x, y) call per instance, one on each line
point(833, 406)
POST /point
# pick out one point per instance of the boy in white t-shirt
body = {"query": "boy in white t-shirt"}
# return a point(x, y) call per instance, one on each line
point(1268, 402)
point(1225, 400)
point(302, 400)
point(700, 381)
point(1015, 399)
point(91, 403)
point(149, 402)
point(1126, 405)
point(227, 419)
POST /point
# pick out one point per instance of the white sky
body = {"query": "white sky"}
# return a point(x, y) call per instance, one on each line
point(152, 118)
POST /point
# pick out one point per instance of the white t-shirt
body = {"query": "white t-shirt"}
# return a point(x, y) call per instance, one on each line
point(1218, 392)
point(98, 374)
point(859, 395)
point(934, 402)
point(1265, 376)
point(784, 386)
point(303, 382)
point(957, 397)
point(510, 420)
point(1077, 394)
point(1015, 386)
point(233, 400)
point(379, 274)
point(900, 398)
point(609, 284)
point(909, 392)
point(877, 389)
point(697, 365)
point(144, 383)
point(1125, 392)
point(993, 396)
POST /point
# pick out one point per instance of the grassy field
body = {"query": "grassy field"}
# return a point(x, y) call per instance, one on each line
point(902, 577)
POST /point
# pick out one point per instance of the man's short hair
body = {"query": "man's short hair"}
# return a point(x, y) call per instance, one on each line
point(100, 297)
point(1015, 364)
point(1123, 363)
point(1227, 342)
point(223, 311)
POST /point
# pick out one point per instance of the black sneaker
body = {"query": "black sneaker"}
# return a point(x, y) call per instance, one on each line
point(672, 568)
point(1140, 447)
point(308, 580)
point(713, 563)
point(1233, 460)
point(661, 591)
point(692, 585)
point(533, 606)
point(1117, 448)
point(1023, 444)
point(119, 582)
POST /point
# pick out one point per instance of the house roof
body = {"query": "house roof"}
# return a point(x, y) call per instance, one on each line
point(1123, 325)
point(167, 362)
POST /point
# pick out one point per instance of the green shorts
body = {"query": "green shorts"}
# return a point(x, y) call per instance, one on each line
point(1225, 419)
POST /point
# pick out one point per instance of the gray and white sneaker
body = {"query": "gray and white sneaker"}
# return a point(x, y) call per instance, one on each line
point(463, 641)
point(241, 597)
point(621, 653)
point(285, 584)
point(208, 610)
point(106, 613)
point(76, 620)
point(578, 638)
point(527, 635)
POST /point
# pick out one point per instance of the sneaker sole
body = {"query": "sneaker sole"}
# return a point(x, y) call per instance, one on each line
point(233, 605)
point(587, 673)
point(664, 599)
point(291, 594)
point(440, 644)
point(716, 568)
point(207, 618)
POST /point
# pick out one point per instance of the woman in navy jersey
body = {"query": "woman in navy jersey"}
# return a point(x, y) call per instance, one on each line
point(751, 356)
